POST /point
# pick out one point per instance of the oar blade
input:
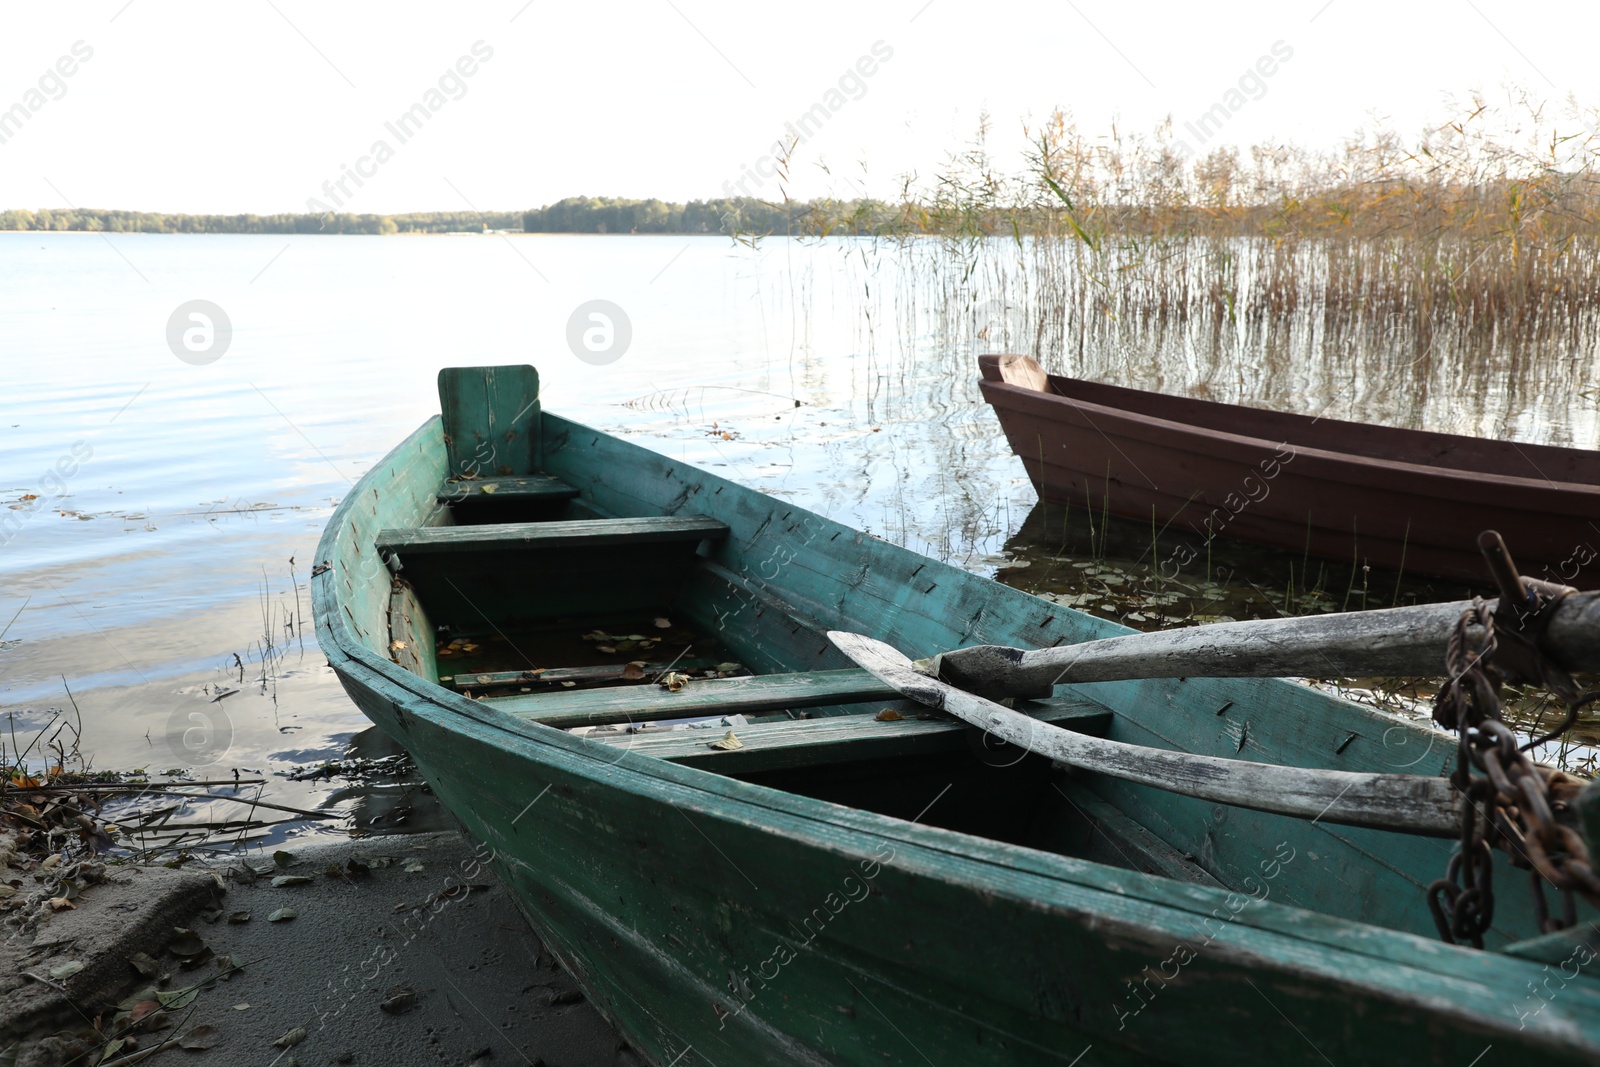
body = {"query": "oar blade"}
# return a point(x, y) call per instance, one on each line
point(890, 666)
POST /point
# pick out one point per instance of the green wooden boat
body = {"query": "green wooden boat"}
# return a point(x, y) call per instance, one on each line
point(826, 876)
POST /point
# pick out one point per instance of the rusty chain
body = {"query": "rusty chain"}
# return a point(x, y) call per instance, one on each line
point(1512, 803)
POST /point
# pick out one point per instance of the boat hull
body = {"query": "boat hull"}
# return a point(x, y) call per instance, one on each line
point(1352, 493)
point(720, 921)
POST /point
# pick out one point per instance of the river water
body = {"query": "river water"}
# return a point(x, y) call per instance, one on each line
point(158, 514)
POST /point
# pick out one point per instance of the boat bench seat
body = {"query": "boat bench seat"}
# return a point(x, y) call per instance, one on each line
point(838, 738)
point(574, 533)
point(700, 697)
point(524, 489)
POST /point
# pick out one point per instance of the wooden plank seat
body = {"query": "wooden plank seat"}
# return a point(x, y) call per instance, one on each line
point(531, 487)
point(837, 738)
point(587, 533)
point(760, 694)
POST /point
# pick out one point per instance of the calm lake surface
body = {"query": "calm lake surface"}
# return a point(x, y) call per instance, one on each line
point(165, 559)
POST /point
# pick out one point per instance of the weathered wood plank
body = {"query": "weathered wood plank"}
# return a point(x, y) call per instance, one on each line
point(611, 672)
point(491, 420)
point(1115, 839)
point(527, 487)
point(705, 696)
point(1407, 802)
point(1391, 641)
point(836, 739)
point(582, 532)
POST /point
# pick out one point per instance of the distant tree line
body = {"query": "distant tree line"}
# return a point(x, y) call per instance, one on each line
point(94, 220)
point(579, 214)
point(734, 215)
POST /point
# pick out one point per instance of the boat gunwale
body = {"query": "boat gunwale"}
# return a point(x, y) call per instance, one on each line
point(992, 867)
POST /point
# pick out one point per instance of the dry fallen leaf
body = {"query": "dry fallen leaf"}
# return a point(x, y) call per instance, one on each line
point(672, 681)
point(185, 943)
point(728, 742)
point(888, 715)
point(199, 1038)
point(292, 1038)
point(663, 624)
point(633, 672)
point(282, 915)
point(400, 1000)
point(606, 648)
point(61, 904)
point(491, 487)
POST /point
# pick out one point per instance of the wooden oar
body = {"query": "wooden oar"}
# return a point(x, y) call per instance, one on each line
point(1393, 641)
point(1409, 802)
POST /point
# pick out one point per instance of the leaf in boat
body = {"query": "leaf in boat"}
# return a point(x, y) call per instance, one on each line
point(413, 865)
point(237, 917)
point(729, 668)
point(201, 1037)
point(606, 648)
point(728, 743)
point(290, 879)
point(292, 1038)
point(185, 943)
point(282, 859)
point(888, 715)
point(568, 685)
point(483, 679)
point(672, 681)
point(396, 646)
point(283, 915)
point(61, 904)
point(400, 1000)
point(469, 648)
point(65, 970)
point(489, 487)
point(663, 623)
point(111, 1049)
point(626, 645)
point(633, 671)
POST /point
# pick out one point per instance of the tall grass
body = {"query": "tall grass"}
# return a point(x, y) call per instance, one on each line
point(1369, 281)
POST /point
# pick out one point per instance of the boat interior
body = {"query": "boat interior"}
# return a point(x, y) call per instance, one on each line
point(522, 592)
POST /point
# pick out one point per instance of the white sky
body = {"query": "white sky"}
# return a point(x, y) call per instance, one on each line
point(252, 105)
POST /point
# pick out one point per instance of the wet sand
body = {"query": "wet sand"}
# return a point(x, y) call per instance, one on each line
point(421, 958)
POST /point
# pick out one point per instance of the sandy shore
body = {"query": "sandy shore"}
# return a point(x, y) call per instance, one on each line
point(412, 953)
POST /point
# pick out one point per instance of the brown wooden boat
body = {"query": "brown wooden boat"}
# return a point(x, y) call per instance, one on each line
point(1353, 492)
